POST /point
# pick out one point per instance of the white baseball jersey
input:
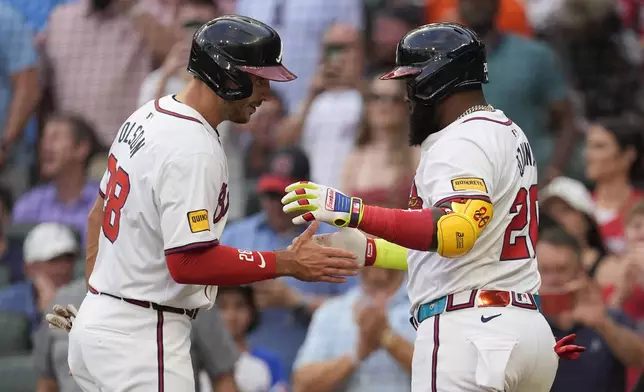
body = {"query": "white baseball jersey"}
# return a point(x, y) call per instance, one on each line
point(482, 155)
point(165, 190)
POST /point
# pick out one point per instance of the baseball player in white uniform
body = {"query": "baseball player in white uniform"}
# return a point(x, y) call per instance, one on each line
point(154, 257)
point(468, 237)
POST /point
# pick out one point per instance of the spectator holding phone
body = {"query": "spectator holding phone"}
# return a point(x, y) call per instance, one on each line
point(572, 303)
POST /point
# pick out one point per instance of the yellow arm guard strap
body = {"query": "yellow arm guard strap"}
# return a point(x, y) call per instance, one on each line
point(390, 256)
point(461, 226)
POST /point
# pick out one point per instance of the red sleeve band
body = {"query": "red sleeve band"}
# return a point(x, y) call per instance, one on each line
point(412, 229)
point(370, 253)
point(220, 265)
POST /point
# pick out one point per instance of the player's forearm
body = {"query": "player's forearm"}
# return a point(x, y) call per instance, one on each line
point(627, 346)
point(94, 221)
point(412, 229)
point(450, 229)
point(401, 350)
point(220, 265)
point(325, 376)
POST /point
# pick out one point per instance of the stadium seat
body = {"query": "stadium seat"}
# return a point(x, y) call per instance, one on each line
point(17, 373)
point(14, 338)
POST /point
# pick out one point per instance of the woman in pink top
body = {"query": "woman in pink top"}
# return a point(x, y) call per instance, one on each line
point(382, 166)
point(613, 162)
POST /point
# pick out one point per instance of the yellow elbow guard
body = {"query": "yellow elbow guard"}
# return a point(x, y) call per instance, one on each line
point(459, 228)
point(390, 256)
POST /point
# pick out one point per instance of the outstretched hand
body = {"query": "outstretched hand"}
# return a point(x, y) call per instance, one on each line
point(309, 261)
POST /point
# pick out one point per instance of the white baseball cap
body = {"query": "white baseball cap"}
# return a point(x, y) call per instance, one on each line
point(47, 241)
point(571, 191)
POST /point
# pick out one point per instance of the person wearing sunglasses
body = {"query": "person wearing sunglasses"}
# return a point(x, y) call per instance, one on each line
point(382, 164)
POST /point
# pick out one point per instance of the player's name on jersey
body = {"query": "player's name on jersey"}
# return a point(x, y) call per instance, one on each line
point(133, 135)
point(525, 157)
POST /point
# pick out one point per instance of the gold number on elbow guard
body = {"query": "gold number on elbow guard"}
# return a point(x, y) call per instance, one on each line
point(455, 234)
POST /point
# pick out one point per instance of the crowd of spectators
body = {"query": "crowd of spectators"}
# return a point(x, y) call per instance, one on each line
point(569, 72)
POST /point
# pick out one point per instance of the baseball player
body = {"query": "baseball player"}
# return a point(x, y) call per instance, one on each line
point(154, 257)
point(468, 237)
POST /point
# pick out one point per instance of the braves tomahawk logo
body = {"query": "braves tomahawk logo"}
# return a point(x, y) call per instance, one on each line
point(223, 202)
point(415, 202)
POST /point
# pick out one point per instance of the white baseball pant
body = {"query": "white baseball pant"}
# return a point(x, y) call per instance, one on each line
point(457, 351)
point(116, 346)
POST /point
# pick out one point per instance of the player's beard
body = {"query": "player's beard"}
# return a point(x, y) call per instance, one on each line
point(423, 121)
point(236, 111)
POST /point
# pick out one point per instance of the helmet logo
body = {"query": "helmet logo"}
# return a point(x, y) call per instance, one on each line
point(279, 56)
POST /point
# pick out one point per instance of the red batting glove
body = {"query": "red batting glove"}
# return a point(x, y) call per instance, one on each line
point(566, 350)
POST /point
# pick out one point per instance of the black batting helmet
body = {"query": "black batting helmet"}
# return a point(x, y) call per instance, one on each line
point(437, 59)
point(227, 49)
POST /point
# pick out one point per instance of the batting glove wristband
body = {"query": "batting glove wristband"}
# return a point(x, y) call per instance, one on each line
point(322, 203)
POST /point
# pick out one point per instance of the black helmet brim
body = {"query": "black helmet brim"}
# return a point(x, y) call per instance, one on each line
point(401, 73)
point(276, 73)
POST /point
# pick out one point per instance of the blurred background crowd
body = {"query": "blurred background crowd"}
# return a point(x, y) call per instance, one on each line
point(569, 72)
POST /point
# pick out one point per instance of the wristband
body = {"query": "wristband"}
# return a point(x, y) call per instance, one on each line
point(356, 212)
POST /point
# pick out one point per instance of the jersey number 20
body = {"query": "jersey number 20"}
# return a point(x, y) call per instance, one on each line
point(118, 187)
point(525, 208)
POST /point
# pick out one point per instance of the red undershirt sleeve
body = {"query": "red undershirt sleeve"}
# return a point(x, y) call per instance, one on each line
point(412, 229)
point(219, 265)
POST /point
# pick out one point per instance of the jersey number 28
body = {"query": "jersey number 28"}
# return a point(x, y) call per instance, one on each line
point(118, 187)
point(525, 208)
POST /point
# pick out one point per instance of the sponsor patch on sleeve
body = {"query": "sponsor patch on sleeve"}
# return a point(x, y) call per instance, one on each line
point(469, 184)
point(198, 221)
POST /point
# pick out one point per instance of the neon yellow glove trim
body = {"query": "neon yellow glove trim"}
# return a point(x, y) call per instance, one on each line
point(390, 256)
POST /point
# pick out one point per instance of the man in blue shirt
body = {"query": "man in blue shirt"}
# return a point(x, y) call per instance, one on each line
point(286, 303)
point(572, 303)
point(361, 341)
point(50, 251)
